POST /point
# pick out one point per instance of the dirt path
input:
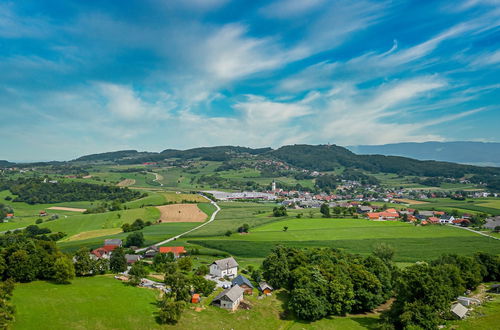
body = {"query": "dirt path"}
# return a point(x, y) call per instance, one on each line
point(126, 183)
point(158, 177)
point(61, 208)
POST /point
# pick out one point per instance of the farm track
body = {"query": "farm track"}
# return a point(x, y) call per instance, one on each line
point(212, 218)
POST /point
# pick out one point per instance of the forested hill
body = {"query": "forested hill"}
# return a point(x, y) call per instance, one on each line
point(474, 153)
point(329, 157)
point(4, 163)
point(310, 157)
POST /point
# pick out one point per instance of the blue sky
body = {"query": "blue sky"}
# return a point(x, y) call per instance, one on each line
point(79, 77)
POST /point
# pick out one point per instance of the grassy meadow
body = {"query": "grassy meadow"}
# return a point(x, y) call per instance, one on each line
point(102, 302)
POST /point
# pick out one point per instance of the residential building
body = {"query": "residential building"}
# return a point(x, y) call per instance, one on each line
point(244, 283)
point(224, 267)
point(229, 298)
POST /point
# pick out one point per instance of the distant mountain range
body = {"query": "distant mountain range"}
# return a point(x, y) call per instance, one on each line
point(473, 153)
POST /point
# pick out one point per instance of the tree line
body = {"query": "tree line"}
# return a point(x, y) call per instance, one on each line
point(323, 282)
point(24, 257)
point(36, 191)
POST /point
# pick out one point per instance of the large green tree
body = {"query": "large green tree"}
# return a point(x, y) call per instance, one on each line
point(64, 270)
point(84, 264)
point(117, 262)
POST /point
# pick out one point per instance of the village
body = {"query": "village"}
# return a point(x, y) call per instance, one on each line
point(222, 272)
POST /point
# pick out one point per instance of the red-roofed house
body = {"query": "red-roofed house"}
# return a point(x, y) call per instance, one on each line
point(101, 253)
point(176, 250)
point(433, 219)
point(9, 215)
point(440, 213)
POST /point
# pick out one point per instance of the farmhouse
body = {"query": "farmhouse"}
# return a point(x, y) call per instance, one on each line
point(244, 283)
point(102, 252)
point(265, 288)
point(364, 209)
point(229, 298)
point(390, 214)
point(491, 223)
point(151, 251)
point(224, 267)
point(132, 258)
point(178, 251)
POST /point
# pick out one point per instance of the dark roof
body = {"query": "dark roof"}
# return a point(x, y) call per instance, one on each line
point(132, 257)
point(232, 293)
point(241, 280)
point(113, 241)
point(226, 263)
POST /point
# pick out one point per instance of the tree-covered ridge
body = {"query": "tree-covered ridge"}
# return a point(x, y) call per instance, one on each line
point(330, 157)
point(36, 191)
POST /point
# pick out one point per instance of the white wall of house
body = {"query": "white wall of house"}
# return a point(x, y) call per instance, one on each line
point(216, 271)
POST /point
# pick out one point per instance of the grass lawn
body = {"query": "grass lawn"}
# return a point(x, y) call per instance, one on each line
point(88, 303)
point(412, 243)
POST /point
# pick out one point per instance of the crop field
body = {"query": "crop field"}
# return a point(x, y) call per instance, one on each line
point(181, 213)
point(173, 197)
point(102, 302)
point(412, 243)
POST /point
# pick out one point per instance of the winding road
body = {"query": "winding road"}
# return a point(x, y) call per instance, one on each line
point(212, 218)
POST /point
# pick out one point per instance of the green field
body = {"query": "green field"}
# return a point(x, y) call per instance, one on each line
point(412, 243)
point(104, 303)
point(88, 303)
point(233, 215)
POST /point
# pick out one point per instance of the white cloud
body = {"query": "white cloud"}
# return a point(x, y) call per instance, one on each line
point(229, 54)
point(486, 59)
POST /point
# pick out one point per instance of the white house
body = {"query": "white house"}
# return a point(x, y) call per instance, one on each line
point(224, 267)
point(229, 298)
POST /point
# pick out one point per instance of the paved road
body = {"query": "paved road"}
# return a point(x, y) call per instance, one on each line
point(478, 232)
point(212, 218)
